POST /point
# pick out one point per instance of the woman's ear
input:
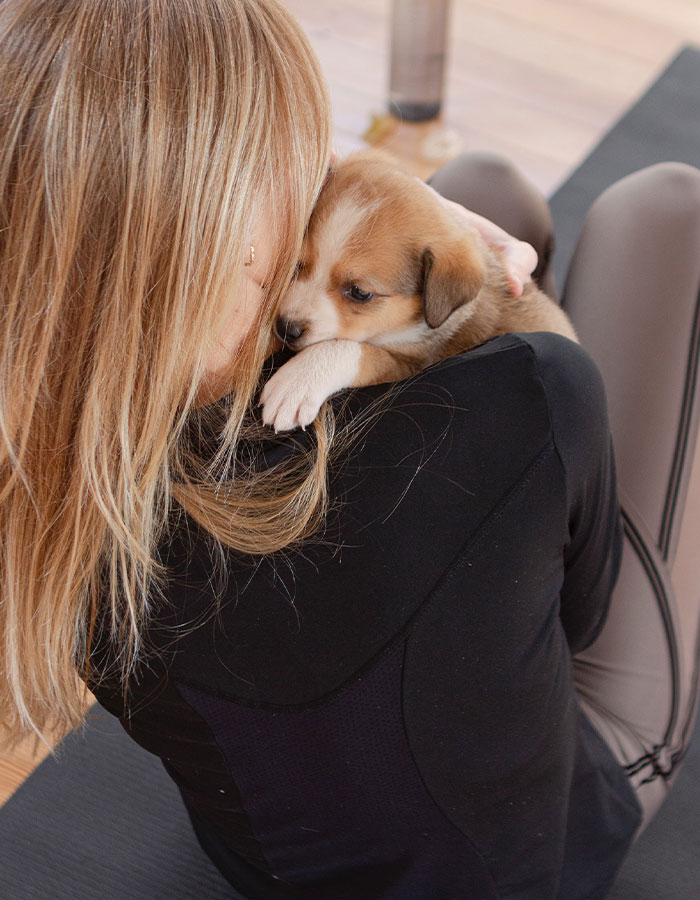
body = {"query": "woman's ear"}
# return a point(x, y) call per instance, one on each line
point(453, 274)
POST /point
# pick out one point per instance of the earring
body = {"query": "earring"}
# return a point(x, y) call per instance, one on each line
point(251, 257)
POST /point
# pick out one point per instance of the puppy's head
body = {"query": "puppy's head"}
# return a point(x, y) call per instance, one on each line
point(383, 261)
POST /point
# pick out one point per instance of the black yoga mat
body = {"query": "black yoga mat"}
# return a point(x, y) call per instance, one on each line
point(104, 821)
point(664, 124)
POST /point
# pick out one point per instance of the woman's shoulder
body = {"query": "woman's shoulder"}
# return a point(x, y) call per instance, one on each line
point(493, 410)
point(529, 371)
point(528, 378)
point(517, 389)
point(558, 362)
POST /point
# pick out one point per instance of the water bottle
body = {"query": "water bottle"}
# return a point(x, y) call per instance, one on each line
point(417, 64)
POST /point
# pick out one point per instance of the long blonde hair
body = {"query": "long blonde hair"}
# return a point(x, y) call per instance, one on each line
point(138, 139)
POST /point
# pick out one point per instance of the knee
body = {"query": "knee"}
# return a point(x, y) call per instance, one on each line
point(476, 167)
point(677, 186)
point(677, 177)
point(667, 192)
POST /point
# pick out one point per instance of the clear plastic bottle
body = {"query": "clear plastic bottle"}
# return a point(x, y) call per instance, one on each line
point(417, 63)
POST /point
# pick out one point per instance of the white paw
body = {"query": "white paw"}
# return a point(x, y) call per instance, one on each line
point(295, 393)
point(289, 401)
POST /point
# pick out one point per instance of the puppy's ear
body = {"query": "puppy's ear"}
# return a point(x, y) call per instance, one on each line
point(453, 274)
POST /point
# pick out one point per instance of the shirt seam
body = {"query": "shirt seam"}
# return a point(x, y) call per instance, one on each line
point(552, 434)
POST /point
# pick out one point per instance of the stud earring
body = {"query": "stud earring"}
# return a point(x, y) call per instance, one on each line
point(251, 257)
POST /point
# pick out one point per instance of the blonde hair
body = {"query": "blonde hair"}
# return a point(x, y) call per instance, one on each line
point(139, 138)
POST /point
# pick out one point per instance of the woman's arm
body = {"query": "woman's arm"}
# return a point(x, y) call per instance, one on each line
point(577, 404)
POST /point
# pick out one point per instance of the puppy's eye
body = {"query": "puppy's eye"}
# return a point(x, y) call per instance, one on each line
point(358, 295)
point(297, 269)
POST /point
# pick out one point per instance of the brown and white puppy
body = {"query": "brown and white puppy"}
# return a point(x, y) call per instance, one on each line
point(388, 283)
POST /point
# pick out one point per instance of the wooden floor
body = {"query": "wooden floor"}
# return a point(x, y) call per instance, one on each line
point(537, 80)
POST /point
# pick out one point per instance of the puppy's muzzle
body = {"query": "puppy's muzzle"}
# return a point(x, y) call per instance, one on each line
point(289, 331)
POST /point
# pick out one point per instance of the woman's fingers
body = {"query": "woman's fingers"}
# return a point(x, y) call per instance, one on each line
point(521, 261)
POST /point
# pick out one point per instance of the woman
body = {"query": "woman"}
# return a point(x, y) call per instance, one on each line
point(351, 647)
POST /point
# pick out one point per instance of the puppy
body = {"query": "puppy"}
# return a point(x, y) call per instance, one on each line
point(388, 282)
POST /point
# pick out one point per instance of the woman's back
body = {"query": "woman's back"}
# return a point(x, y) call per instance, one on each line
point(389, 713)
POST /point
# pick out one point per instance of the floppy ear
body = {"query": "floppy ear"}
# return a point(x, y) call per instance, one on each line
point(453, 274)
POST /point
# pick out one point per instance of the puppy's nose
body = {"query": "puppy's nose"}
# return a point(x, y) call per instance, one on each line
point(288, 329)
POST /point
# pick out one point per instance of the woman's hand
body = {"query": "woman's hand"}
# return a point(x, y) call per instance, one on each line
point(519, 257)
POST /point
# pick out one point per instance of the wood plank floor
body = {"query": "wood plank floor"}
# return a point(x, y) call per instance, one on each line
point(537, 80)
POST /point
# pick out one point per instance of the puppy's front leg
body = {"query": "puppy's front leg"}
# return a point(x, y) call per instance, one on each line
point(294, 394)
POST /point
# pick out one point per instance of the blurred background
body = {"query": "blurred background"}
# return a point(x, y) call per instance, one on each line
point(537, 80)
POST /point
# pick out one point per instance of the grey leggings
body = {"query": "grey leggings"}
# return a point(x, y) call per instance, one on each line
point(632, 293)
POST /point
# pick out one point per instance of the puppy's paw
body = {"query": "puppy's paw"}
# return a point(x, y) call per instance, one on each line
point(295, 393)
point(288, 403)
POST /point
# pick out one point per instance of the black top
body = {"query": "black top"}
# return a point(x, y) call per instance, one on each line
point(389, 714)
